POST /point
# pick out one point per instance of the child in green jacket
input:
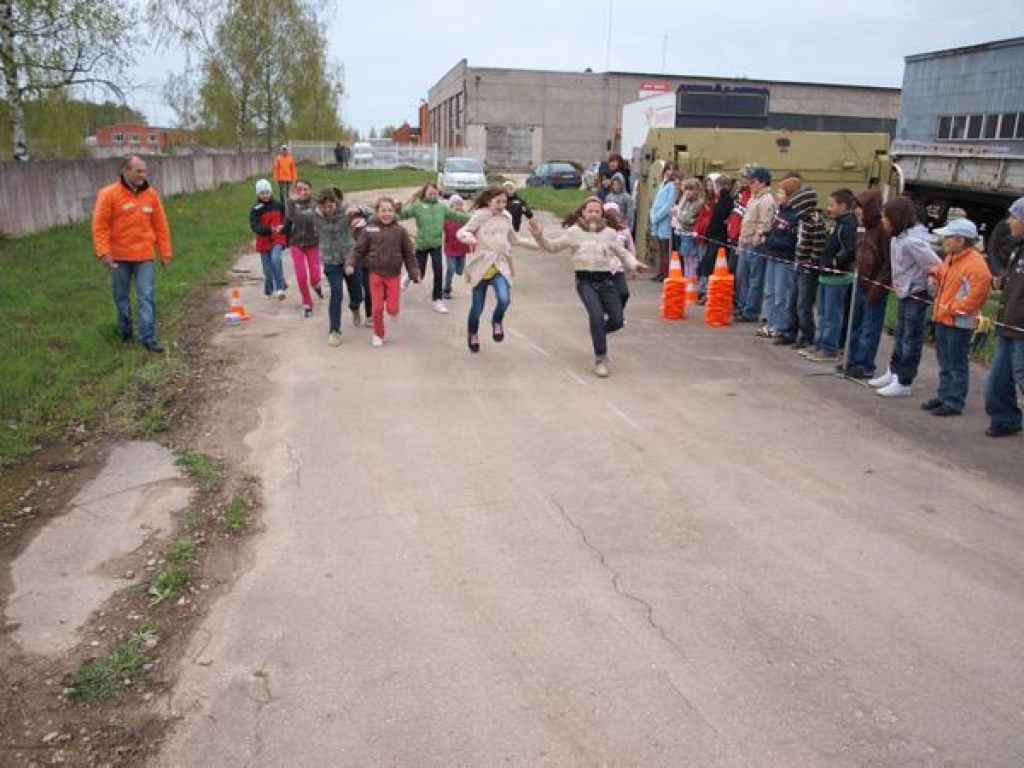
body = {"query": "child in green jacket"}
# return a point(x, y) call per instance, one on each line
point(430, 215)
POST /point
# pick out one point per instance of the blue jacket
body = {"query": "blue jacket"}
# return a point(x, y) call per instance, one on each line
point(661, 210)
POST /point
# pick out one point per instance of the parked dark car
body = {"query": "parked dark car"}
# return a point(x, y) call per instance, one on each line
point(557, 175)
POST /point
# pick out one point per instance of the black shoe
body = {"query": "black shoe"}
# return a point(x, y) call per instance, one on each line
point(944, 410)
point(154, 346)
point(801, 344)
point(744, 319)
point(784, 341)
point(1002, 431)
point(853, 372)
point(318, 291)
point(498, 332)
point(126, 335)
point(659, 278)
point(931, 405)
point(473, 341)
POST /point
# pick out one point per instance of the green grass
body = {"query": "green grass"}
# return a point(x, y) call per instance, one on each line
point(201, 468)
point(166, 584)
point(183, 551)
point(102, 679)
point(560, 202)
point(238, 512)
point(62, 362)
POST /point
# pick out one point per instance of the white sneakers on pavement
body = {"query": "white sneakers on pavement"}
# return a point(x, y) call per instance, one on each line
point(884, 380)
point(894, 389)
point(377, 341)
point(440, 308)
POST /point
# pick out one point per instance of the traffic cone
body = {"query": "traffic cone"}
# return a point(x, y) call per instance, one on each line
point(691, 291)
point(673, 292)
point(721, 284)
point(235, 303)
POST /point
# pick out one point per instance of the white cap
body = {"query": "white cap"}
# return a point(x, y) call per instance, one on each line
point(263, 186)
point(959, 228)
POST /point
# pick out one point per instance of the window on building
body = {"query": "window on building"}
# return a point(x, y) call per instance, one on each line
point(134, 138)
point(988, 130)
point(974, 126)
point(152, 138)
point(1019, 133)
point(118, 138)
point(959, 127)
point(944, 126)
point(1007, 124)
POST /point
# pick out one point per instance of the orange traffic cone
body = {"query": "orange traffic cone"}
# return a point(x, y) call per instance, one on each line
point(691, 291)
point(236, 306)
point(673, 292)
point(721, 284)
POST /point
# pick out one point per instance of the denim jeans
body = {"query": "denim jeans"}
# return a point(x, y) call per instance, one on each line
point(435, 265)
point(779, 275)
point(335, 274)
point(143, 272)
point(600, 295)
point(455, 266)
point(688, 254)
point(908, 340)
point(866, 331)
point(953, 350)
point(1005, 380)
point(801, 303)
point(502, 293)
point(750, 281)
point(273, 271)
point(831, 304)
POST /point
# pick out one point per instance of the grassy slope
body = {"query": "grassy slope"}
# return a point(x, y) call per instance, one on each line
point(61, 361)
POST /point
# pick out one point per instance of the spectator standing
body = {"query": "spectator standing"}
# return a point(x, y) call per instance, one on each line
point(285, 173)
point(716, 232)
point(1006, 375)
point(128, 224)
point(810, 242)
point(872, 292)
point(834, 283)
point(757, 220)
point(661, 218)
point(780, 254)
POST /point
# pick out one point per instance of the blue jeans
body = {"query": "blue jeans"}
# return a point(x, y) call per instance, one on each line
point(1005, 380)
point(801, 303)
point(908, 340)
point(831, 303)
point(750, 281)
point(335, 277)
point(455, 266)
point(273, 271)
point(953, 350)
point(503, 294)
point(143, 272)
point(600, 295)
point(866, 331)
point(778, 277)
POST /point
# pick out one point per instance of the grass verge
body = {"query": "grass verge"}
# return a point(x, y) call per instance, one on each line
point(63, 362)
point(560, 202)
point(202, 468)
point(236, 514)
point(102, 679)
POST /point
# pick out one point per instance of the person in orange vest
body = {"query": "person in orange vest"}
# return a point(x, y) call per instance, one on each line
point(285, 172)
point(128, 222)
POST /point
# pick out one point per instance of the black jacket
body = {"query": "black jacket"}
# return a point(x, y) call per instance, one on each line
point(841, 246)
point(1011, 303)
point(518, 208)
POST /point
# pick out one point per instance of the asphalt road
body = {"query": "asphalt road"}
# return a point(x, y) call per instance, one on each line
point(713, 557)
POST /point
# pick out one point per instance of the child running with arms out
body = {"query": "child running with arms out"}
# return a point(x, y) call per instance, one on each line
point(305, 246)
point(430, 216)
point(490, 234)
point(334, 231)
point(592, 237)
point(383, 247)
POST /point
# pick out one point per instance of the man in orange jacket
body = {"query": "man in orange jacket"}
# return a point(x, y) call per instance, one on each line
point(128, 223)
point(285, 172)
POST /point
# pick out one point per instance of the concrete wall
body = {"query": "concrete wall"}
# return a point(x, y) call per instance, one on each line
point(979, 80)
point(37, 196)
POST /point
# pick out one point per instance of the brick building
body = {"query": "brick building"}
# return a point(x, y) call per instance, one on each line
point(137, 137)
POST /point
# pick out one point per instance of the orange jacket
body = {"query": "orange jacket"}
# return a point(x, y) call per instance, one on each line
point(127, 224)
point(964, 284)
point(284, 168)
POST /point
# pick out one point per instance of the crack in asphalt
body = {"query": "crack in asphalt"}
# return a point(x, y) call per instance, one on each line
point(263, 676)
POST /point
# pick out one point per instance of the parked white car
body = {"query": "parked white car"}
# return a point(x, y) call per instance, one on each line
point(362, 153)
point(464, 175)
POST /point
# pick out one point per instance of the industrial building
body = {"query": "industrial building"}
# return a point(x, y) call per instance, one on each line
point(517, 118)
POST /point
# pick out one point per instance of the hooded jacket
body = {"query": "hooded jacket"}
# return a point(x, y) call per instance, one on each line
point(129, 224)
point(263, 217)
point(430, 216)
point(383, 248)
point(911, 257)
point(964, 285)
point(592, 250)
point(335, 235)
point(874, 271)
point(661, 210)
point(622, 199)
point(1011, 304)
point(840, 251)
point(810, 241)
point(517, 209)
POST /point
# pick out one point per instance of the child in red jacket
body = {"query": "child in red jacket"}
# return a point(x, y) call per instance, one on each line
point(266, 219)
point(454, 249)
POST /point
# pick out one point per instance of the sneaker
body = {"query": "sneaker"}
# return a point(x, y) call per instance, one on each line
point(601, 369)
point(405, 280)
point(318, 291)
point(852, 372)
point(945, 410)
point(154, 346)
point(281, 295)
point(440, 308)
point(473, 342)
point(884, 380)
point(356, 319)
point(801, 344)
point(333, 339)
point(126, 335)
point(808, 351)
point(823, 357)
point(446, 295)
point(368, 322)
point(498, 332)
point(764, 332)
point(894, 389)
point(268, 296)
point(784, 341)
point(307, 312)
point(1001, 430)
point(931, 404)
point(659, 278)
point(377, 341)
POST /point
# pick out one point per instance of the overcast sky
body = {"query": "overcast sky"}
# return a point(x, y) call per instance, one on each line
point(394, 52)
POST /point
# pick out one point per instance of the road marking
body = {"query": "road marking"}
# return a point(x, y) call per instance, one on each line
point(524, 337)
point(624, 417)
point(720, 359)
point(576, 377)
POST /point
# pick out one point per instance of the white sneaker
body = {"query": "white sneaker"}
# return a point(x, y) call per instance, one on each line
point(405, 280)
point(281, 295)
point(440, 308)
point(894, 389)
point(377, 341)
point(601, 369)
point(333, 339)
point(884, 380)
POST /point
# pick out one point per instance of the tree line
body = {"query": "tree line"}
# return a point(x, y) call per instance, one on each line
point(255, 72)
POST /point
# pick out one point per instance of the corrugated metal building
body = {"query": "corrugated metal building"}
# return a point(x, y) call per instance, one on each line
point(972, 95)
point(515, 118)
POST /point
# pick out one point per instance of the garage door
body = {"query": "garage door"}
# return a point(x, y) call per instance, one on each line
point(510, 147)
